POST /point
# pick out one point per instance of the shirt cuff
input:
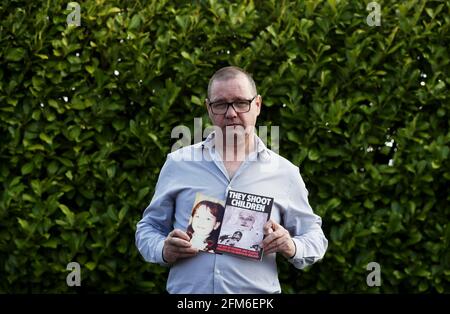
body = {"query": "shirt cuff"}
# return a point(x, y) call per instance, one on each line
point(159, 254)
point(298, 250)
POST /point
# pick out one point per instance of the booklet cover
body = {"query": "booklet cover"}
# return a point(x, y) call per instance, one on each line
point(205, 221)
point(242, 228)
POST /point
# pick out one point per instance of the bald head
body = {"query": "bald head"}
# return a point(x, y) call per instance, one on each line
point(228, 73)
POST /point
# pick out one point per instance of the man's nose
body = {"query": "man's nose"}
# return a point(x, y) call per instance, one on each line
point(230, 113)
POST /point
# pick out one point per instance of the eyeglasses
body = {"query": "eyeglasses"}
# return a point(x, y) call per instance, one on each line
point(240, 106)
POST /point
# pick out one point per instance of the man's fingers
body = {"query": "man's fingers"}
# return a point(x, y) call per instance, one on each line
point(277, 241)
point(272, 237)
point(178, 251)
point(270, 250)
point(172, 252)
point(184, 255)
point(267, 240)
point(178, 242)
point(275, 225)
point(177, 233)
point(274, 244)
point(188, 250)
point(177, 245)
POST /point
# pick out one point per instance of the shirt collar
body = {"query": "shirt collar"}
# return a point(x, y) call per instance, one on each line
point(261, 149)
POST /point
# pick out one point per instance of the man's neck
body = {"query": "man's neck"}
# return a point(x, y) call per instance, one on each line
point(238, 149)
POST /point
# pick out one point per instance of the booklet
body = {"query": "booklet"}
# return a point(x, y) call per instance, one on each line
point(234, 226)
point(242, 231)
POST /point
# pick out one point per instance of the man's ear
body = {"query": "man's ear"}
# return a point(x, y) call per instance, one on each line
point(217, 225)
point(208, 108)
point(258, 103)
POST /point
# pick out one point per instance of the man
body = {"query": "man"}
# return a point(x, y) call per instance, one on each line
point(231, 240)
point(233, 158)
point(250, 237)
point(246, 219)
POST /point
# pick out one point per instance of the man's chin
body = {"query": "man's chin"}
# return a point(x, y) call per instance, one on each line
point(236, 129)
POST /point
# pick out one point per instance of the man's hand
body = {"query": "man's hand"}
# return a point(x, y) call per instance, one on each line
point(277, 239)
point(177, 246)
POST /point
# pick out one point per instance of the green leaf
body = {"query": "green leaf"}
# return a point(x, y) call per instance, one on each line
point(69, 214)
point(111, 171)
point(143, 192)
point(90, 69)
point(37, 187)
point(340, 259)
point(46, 138)
point(74, 132)
point(66, 162)
point(123, 212)
point(45, 57)
point(90, 265)
point(24, 224)
point(109, 11)
point(333, 203)
point(27, 168)
point(186, 55)
point(15, 54)
point(195, 100)
point(423, 286)
point(313, 154)
point(52, 243)
point(52, 167)
point(414, 238)
point(135, 22)
point(368, 204)
point(28, 198)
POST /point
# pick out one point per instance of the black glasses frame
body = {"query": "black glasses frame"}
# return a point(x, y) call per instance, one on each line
point(232, 105)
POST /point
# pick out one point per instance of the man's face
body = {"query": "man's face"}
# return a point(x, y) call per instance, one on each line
point(232, 241)
point(236, 236)
point(237, 88)
point(246, 220)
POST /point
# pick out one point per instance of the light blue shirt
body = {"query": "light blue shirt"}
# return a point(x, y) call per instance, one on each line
point(199, 168)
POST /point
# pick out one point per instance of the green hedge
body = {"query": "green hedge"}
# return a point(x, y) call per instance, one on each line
point(86, 115)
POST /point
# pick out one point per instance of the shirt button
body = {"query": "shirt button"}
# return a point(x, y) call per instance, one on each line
point(217, 272)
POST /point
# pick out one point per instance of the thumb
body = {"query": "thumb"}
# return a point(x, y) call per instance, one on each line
point(268, 227)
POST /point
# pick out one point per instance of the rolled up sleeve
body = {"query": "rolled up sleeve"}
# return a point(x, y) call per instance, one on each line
point(303, 225)
point(156, 223)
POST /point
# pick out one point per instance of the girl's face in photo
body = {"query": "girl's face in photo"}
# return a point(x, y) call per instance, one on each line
point(203, 221)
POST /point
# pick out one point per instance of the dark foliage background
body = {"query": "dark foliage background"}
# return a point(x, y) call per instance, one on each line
point(86, 115)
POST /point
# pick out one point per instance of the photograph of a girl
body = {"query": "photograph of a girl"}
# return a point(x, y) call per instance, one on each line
point(204, 224)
